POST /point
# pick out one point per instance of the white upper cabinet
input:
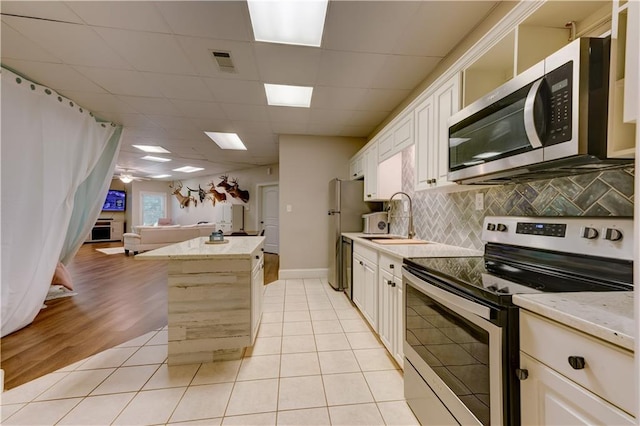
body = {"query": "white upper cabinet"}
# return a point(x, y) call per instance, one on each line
point(356, 166)
point(432, 135)
point(381, 179)
point(396, 139)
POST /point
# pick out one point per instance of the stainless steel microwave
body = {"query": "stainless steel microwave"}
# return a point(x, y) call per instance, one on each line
point(549, 121)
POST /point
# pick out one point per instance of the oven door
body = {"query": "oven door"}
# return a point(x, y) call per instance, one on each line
point(457, 350)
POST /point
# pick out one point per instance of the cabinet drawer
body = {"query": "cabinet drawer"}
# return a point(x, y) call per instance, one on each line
point(391, 264)
point(366, 252)
point(608, 370)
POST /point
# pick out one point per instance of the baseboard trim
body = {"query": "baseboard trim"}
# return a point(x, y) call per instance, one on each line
point(291, 274)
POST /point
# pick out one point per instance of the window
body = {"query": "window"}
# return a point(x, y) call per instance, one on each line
point(153, 207)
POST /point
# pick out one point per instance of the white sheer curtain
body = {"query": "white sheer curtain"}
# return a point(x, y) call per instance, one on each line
point(49, 148)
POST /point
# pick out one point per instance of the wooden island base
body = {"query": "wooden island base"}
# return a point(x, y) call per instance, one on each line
point(214, 298)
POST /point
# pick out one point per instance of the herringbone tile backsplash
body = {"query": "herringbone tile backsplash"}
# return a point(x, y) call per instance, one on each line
point(451, 218)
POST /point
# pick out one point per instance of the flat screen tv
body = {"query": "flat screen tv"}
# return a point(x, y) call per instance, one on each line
point(115, 201)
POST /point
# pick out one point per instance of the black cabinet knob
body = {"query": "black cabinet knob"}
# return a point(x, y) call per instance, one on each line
point(391, 266)
point(393, 284)
point(576, 362)
point(257, 257)
point(522, 373)
point(360, 261)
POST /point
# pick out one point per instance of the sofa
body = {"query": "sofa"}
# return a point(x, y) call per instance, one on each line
point(152, 237)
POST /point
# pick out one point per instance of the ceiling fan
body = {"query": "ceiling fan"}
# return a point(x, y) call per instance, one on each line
point(126, 176)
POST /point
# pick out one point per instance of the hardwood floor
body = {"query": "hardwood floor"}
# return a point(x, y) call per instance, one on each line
point(119, 298)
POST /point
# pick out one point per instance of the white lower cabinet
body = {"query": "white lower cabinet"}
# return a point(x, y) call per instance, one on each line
point(257, 291)
point(365, 283)
point(391, 305)
point(571, 377)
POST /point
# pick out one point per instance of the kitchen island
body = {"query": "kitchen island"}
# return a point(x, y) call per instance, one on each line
point(214, 297)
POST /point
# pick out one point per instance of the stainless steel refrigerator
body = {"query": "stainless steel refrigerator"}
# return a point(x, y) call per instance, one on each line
point(346, 207)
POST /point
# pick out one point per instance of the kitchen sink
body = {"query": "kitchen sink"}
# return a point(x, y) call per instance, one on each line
point(395, 240)
point(383, 237)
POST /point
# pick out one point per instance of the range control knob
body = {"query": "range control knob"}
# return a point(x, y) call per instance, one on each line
point(589, 233)
point(491, 227)
point(501, 227)
point(613, 234)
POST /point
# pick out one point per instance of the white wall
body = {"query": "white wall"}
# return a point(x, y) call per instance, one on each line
point(248, 180)
point(307, 164)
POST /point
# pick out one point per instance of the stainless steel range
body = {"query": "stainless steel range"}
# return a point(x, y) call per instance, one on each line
point(461, 327)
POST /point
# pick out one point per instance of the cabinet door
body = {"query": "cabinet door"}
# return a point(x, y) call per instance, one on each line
point(355, 167)
point(548, 398)
point(424, 131)
point(447, 103)
point(257, 294)
point(398, 354)
point(371, 294)
point(386, 310)
point(358, 281)
point(371, 173)
point(117, 229)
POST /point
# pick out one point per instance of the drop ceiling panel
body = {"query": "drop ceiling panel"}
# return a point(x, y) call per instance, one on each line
point(237, 91)
point(133, 15)
point(348, 69)
point(286, 64)
point(383, 99)
point(355, 131)
point(170, 122)
point(252, 127)
point(179, 86)
point(371, 26)
point(328, 117)
point(438, 26)
point(58, 11)
point(17, 46)
point(198, 50)
point(288, 114)
point(120, 82)
point(290, 128)
point(199, 109)
point(73, 44)
point(99, 102)
point(55, 76)
point(403, 72)
point(325, 129)
point(221, 19)
point(148, 51)
point(237, 112)
point(129, 120)
point(151, 105)
point(348, 98)
point(214, 125)
point(366, 119)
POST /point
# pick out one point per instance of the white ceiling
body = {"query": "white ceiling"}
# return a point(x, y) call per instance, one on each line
point(147, 65)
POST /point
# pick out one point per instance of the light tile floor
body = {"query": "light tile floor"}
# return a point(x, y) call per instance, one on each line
point(315, 362)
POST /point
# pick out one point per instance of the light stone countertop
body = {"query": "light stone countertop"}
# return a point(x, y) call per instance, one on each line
point(432, 249)
point(237, 247)
point(605, 315)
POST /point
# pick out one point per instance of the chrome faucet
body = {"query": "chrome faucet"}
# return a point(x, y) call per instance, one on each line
point(410, 232)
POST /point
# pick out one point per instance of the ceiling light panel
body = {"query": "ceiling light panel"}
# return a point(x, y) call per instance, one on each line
point(188, 169)
point(292, 96)
point(154, 158)
point(152, 148)
point(226, 140)
point(160, 176)
point(288, 22)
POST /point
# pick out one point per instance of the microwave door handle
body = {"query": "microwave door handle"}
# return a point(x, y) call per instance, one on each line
point(529, 120)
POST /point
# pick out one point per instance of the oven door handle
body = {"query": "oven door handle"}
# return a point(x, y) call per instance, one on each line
point(446, 298)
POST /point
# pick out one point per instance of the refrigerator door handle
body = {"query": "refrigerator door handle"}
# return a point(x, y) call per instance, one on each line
point(332, 212)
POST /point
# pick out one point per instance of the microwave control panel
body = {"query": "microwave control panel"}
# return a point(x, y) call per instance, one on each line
point(559, 82)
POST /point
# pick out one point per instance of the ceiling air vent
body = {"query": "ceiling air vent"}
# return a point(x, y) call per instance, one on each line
point(223, 59)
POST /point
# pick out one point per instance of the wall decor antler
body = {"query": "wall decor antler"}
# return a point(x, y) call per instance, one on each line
point(224, 184)
point(183, 200)
point(217, 196)
point(236, 192)
point(202, 194)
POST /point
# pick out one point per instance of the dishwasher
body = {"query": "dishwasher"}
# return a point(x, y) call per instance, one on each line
point(347, 270)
